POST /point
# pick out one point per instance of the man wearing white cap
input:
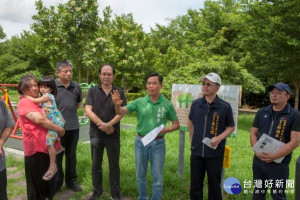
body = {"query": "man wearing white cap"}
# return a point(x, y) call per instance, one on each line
point(280, 121)
point(211, 118)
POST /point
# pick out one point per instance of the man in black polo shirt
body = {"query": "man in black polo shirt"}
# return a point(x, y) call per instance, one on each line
point(281, 122)
point(68, 100)
point(104, 131)
point(210, 117)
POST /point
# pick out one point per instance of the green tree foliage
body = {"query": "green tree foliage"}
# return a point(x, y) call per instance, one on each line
point(243, 41)
point(74, 31)
point(130, 47)
point(18, 57)
point(2, 34)
point(67, 32)
point(274, 41)
point(203, 41)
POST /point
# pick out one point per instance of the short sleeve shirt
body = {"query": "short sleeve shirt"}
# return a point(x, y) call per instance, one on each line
point(104, 108)
point(34, 136)
point(151, 115)
point(67, 100)
point(5, 122)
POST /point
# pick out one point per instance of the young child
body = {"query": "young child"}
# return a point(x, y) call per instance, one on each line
point(48, 90)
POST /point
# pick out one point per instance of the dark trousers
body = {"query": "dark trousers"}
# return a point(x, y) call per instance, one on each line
point(69, 141)
point(3, 185)
point(35, 167)
point(213, 167)
point(112, 146)
point(268, 174)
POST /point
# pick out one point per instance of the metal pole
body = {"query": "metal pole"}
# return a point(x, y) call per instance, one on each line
point(181, 153)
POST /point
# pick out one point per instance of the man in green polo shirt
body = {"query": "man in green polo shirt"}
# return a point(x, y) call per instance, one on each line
point(153, 111)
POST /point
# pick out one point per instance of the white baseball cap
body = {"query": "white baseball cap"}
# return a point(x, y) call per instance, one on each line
point(213, 77)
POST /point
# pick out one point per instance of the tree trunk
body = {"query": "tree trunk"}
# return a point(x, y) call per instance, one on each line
point(87, 74)
point(79, 73)
point(296, 85)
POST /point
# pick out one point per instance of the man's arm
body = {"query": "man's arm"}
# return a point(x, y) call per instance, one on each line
point(174, 126)
point(38, 119)
point(115, 120)
point(253, 136)
point(121, 110)
point(115, 95)
point(5, 134)
point(106, 127)
point(285, 150)
point(190, 127)
point(216, 140)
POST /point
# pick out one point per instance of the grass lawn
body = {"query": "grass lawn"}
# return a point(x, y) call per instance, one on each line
point(175, 187)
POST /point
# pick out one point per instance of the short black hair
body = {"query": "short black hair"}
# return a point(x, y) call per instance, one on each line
point(48, 81)
point(113, 69)
point(160, 78)
point(63, 63)
point(23, 84)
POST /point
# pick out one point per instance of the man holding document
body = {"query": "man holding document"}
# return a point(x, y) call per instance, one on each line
point(153, 112)
point(210, 122)
point(274, 135)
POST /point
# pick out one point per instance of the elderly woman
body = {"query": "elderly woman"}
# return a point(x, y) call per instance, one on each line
point(34, 129)
point(5, 129)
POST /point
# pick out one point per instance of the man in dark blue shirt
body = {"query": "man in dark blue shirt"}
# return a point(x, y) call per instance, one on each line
point(280, 121)
point(210, 117)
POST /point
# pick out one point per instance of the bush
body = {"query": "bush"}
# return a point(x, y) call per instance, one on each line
point(133, 96)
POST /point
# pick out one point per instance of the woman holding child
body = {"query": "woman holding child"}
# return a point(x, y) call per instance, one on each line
point(34, 129)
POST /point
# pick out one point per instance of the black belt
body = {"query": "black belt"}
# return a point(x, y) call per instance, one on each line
point(158, 137)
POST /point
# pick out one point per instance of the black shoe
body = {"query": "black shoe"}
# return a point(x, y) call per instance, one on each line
point(95, 196)
point(75, 187)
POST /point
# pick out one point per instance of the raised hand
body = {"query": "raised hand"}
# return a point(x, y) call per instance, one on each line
point(115, 95)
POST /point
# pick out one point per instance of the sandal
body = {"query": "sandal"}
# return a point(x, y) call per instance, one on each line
point(49, 174)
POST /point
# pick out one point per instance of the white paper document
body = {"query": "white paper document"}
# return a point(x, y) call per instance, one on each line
point(269, 145)
point(152, 135)
point(207, 141)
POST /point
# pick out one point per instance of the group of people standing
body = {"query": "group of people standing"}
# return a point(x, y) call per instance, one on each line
point(105, 105)
point(44, 173)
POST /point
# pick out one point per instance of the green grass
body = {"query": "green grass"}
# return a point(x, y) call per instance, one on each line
point(16, 165)
point(129, 119)
point(175, 187)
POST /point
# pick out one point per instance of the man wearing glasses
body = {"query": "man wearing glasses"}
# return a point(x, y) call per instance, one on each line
point(152, 111)
point(280, 121)
point(68, 100)
point(210, 118)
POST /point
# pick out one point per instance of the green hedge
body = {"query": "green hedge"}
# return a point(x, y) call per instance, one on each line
point(133, 96)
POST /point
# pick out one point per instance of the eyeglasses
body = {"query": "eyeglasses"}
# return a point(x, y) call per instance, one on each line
point(277, 93)
point(152, 83)
point(207, 84)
